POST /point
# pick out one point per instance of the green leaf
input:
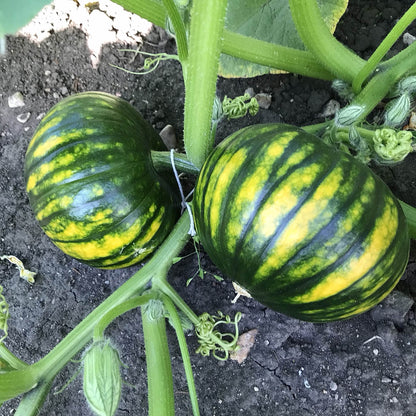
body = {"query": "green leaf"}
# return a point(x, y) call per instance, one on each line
point(271, 21)
point(14, 14)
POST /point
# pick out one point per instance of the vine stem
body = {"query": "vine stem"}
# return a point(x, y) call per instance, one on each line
point(383, 48)
point(318, 39)
point(22, 380)
point(205, 34)
point(174, 316)
point(162, 162)
point(180, 32)
point(382, 83)
point(159, 369)
point(275, 56)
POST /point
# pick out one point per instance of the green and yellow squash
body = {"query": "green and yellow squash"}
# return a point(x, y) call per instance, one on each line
point(92, 185)
point(306, 230)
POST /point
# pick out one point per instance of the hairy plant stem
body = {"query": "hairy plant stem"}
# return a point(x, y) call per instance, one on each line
point(205, 34)
point(176, 322)
point(159, 370)
point(16, 382)
point(382, 83)
point(162, 162)
point(383, 48)
point(180, 32)
point(117, 311)
point(32, 401)
point(274, 56)
point(318, 39)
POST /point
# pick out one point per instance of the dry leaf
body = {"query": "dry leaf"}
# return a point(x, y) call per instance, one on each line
point(245, 343)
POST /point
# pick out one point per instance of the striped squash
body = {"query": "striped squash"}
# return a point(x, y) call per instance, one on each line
point(92, 185)
point(306, 230)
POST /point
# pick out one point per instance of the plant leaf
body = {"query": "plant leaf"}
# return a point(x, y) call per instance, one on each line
point(14, 14)
point(271, 21)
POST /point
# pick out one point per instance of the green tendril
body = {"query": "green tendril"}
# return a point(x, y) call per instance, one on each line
point(150, 63)
point(211, 340)
point(239, 106)
point(4, 314)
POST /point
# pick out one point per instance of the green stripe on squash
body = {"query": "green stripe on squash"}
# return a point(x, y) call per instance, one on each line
point(306, 230)
point(92, 185)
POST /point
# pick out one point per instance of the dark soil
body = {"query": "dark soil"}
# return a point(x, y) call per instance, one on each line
point(362, 366)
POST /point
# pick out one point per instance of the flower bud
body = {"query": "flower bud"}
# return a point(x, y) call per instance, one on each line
point(407, 85)
point(343, 89)
point(348, 115)
point(392, 146)
point(102, 379)
point(397, 111)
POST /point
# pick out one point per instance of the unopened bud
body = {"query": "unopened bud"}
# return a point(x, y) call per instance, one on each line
point(407, 85)
point(397, 111)
point(343, 89)
point(102, 378)
point(347, 116)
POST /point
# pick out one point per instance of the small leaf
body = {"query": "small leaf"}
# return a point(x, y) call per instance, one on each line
point(271, 21)
point(176, 260)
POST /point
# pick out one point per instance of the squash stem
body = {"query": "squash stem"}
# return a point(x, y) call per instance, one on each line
point(318, 39)
point(274, 56)
point(383, 48)
point(162, 162)
point(117, 311)
point(180, 32)
point(176, 322)
point(205, 34)
point(159, 370)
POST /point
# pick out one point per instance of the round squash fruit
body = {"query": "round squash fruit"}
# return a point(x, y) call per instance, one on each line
point(308, 231)
point(92, 185)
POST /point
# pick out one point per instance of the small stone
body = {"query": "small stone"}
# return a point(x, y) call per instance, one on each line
point(48, 73)
point(264, 100)
point(245, 343)
point(255, 388)
point(394, 308)
point(330, 108)
point(22, 118)
point(333, 386)
point(64, 90)
point(250, 92)
point(375, 351)
point(168, 136)
point(408, 39)
point(16, 100)
point(385, 379)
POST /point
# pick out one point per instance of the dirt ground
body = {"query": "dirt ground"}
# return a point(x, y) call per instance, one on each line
point(362, 366)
